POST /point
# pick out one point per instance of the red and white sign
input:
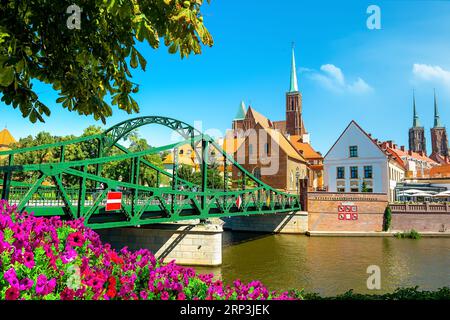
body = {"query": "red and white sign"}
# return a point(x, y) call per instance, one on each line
point(113, 201)
point(347, 212)
point(239, 202)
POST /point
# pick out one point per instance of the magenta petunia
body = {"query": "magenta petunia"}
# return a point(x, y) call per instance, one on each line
point(76, 239)
point(96, 271)
point(25, 284)
point(12, 294)
point(28, 260)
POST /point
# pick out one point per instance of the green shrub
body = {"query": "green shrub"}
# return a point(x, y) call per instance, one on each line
point(398, 294)
point(387, 219)
point(412, 234)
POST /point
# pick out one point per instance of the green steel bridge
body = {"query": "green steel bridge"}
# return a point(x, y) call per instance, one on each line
point(79, 189)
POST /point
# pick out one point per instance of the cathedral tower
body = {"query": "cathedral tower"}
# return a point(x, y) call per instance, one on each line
point(439, 140)
point(416, 133)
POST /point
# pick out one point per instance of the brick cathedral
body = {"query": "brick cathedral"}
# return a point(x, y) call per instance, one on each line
point(294, 140)
point(439, 139)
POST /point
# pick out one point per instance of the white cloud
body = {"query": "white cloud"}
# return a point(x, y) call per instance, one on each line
point(332, 78)
point(436, 74)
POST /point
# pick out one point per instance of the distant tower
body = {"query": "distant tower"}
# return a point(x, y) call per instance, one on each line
point(416, 133)
point(238, 121)
point(439, 140)
point(294, 121)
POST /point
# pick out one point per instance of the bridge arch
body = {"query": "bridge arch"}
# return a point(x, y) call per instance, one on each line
point(112, 135)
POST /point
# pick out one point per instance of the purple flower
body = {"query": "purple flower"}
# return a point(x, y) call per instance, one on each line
point(11, 277)
point(25, 284)
point(43, 286)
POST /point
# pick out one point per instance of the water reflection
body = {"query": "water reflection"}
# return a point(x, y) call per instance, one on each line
point(334, 265)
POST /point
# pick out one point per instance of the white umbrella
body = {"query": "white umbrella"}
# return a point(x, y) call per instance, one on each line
point(443, 194)
point(402, 194)
point(412, 191)
point(424, 191)
point(422, 194)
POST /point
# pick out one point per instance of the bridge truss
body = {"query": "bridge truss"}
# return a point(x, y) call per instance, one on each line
point(78, 188)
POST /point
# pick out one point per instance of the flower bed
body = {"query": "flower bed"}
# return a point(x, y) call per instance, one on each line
point(52, 259)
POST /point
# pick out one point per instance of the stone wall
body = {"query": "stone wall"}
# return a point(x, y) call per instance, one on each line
point(187, 244)
point(291, 222)
point(422, 222)
point(323, 211)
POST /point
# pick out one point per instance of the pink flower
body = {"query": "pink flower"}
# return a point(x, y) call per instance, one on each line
point(181, 296)
point(12, 293)
point(144, 295)
point(67, 294)
point(165, 295)
point(76, 239)
point(28, 260)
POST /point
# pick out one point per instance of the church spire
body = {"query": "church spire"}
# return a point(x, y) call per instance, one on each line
point(416, 122)
point(437, 119)
point(240, 115)
point(294, 85)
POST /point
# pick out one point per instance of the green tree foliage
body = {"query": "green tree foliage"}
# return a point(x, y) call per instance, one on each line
point(86, 64)
point(85, 150)
point(120, 170)
point(214, 177)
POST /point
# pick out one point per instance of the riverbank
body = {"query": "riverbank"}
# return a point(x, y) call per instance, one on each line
point(373, 234)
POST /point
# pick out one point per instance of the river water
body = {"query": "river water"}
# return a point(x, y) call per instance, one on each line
point(333, 265)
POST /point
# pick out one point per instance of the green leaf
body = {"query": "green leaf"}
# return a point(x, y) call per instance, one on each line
point(6, 76)
point(133, 61)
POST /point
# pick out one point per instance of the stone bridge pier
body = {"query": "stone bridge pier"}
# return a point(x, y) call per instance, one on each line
point(189, 243)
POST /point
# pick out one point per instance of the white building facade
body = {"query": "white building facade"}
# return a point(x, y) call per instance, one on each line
point(357, 163)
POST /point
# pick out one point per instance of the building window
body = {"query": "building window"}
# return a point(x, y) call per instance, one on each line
point(354, 173)
point(266, 148)
point(341, 189)
point(340, 173)
point(368, 172)
point(257, 173)
point(353, 151)
point(354, 190)
point(250, 149)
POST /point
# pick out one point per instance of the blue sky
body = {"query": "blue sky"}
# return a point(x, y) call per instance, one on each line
point(345, 70)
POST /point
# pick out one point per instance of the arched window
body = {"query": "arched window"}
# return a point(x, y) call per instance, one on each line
point(250, 149)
